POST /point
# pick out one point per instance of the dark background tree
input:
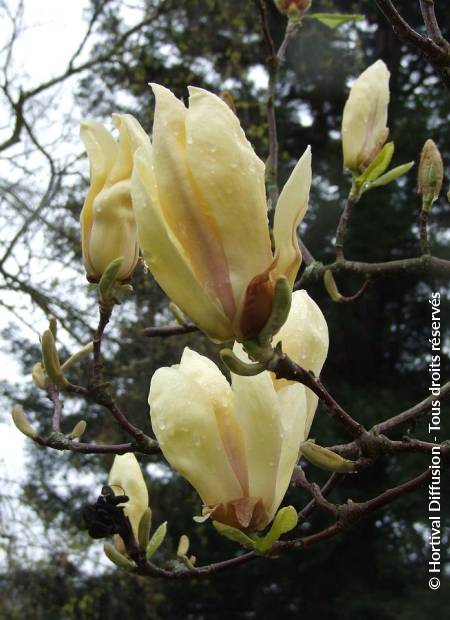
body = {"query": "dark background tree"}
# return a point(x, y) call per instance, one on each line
point(377, 364)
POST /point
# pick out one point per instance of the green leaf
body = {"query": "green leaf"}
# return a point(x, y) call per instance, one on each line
point(378, 165)
point(117, 558)
point(232, 533)
point(156, 540)
point(285, 521)
point(145, 526)
point(393, 174)
point(108, 281)
point(334, 20)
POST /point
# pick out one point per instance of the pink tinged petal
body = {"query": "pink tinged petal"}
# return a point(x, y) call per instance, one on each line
point(292, 403)
point(256, 409)
point(290, 210)
point(184, 422)
point(207, 375)
point(182, 202)
point(230, 177)
point(167, 258)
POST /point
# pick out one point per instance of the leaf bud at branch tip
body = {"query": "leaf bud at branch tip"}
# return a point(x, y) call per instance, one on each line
point(51, 359)
point(78, 430)
point(325, 459)
point(183, 545)
point(22, 423)
point(38, 376)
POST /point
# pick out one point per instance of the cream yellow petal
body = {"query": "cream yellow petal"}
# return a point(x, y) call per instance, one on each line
point(305, 339)
point(131, 137)
point(365, 116)
point(305, 334)
point(101, 149)
point(208, 376)
point(183, 204)
point(230, 176)
point(184, 423)
point(290, 210)
point(165, 256)
point(256, 409)
point(126, 478)
point(293, 413)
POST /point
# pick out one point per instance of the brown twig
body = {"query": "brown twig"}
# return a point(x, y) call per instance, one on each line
point(341, 231)
point(423, 265)
point(169, 330)
point(285, 368)
point(437, 54)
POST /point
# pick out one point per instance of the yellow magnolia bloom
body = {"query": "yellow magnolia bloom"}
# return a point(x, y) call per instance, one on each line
point(364, 129)
point(237, 445)
point(126, 478)
point(200, 207)
point(108, 228)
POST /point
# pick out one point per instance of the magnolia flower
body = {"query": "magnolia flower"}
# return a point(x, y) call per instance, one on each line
point(108, 228)
point(364, 129)
point(125, 478)
point(200, 207)
point(237, 445)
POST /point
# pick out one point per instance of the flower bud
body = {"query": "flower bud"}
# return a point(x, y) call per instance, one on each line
point(107, 222)
point(293, 8)
point(364, 129)
point(22, 423)
point(431, 174)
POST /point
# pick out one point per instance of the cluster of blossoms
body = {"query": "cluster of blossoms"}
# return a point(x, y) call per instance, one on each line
point(193, 201)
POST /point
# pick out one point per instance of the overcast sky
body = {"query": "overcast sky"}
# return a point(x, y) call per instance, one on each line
point(53, 29)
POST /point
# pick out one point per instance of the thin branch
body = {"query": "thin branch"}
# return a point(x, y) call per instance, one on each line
point(169, 330)
point(285, 368)
point(341, 231)
point(422, 265)
point(437, 55)
point(413, 413)
point(431, 23)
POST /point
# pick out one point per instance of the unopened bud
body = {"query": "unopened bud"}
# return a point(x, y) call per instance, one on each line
point(293, 9)
point(38, 375)
point(183, 545)
point(325, 459)
point(431, 174)
point(78, 430)
point(21, 422)
point(51, 359)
